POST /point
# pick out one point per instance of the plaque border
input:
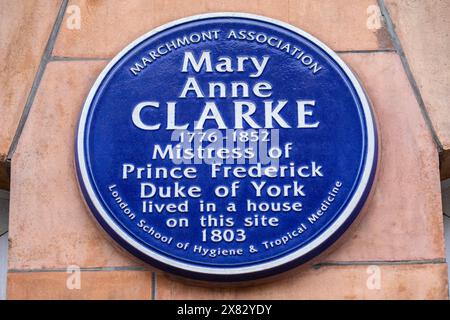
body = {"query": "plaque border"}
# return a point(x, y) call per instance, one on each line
point(257, 270)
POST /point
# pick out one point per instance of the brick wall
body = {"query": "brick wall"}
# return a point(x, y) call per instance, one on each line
point(397, 249)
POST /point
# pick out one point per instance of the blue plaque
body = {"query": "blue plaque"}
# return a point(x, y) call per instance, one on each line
point(226, 147)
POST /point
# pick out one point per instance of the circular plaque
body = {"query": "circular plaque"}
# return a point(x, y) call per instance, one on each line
point(226, 147)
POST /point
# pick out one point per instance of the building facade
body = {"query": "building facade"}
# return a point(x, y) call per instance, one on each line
point(53, 50)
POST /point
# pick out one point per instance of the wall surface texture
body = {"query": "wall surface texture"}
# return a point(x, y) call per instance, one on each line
point(398, 48)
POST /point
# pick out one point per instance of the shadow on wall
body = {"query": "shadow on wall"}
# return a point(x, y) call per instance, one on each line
point(4, 212)
point(445, 185)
